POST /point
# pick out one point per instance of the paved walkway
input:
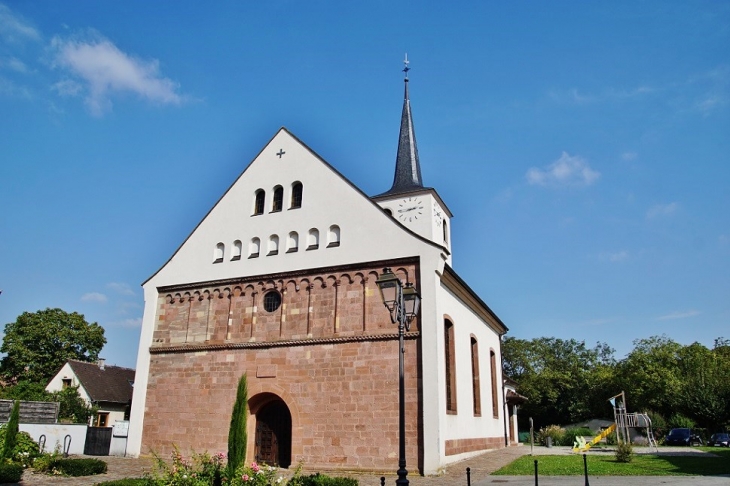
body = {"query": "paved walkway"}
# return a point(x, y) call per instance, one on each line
point(481, 467)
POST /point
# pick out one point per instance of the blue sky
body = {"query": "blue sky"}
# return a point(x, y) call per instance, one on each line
point(583, 147)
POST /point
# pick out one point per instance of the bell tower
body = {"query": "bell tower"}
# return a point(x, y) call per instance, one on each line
point(418, 208)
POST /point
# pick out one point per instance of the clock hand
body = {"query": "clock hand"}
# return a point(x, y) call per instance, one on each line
point(405, 210)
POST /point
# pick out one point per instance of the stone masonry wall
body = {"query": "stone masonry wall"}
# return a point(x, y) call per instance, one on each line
point(329, 352)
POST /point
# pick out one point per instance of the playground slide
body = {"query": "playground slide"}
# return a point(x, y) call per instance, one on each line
point(581, 445)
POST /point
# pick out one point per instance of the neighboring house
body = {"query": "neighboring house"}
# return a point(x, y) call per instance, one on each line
point(107, 387)
point(512, 401)
point(278, 281)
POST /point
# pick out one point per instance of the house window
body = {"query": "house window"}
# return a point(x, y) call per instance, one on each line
point(446, 233)
point(296, 195)
point(236, 250)
point(493, 370)
point(272, 301)
point(102, 419)
point(278, 199)
point(333, 236)
point(313, 239)
point(218, 253)
point(476, 390)
point(258, 206)
point(450, 362)
point(254, 247)
point(292, 243)
point(273, 245)
point(65, 382)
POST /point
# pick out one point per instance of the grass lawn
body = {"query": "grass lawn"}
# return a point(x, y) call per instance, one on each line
point(606, 465)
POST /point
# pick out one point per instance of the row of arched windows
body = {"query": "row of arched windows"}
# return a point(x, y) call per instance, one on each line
point(277, 201)
point(273, 245)
point(450, 366)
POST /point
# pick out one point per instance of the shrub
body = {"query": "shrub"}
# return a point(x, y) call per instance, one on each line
point(125, 482)
point(611, 438)
point(11, 473)
point(237, 435)
point(679, 421)
point(77, 467)
point(25, 450)
point(11, 432)
point(201, 469)
point(570, 434)
point(624, 452)
point(322, 480)
point(555, 432)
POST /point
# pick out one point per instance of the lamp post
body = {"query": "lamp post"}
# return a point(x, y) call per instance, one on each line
point(402, 304)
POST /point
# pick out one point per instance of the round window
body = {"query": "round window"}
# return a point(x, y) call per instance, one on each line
point(272, 301)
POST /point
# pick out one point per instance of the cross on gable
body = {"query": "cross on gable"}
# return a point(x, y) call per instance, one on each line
point(280, 153)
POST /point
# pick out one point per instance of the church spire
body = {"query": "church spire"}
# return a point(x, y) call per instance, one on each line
point(407, 168)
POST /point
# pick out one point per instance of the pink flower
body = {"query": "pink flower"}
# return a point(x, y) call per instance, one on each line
point(244, 477)
point(255, 467)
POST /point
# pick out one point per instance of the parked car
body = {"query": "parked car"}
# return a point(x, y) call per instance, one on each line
point(682, 437)
point(721, 439)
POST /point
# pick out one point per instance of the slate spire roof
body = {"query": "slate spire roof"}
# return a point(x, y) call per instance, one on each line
point(407, 167)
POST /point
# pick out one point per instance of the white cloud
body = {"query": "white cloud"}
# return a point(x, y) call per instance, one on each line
point(14, 64)
point(94, 297)
point(120, 288)
point(566, 171)
point(679, 315)
point(68, 87)
point(104, 70)
point(662, 210)
point(627, 156)
point(136, 322)
point(9, 88)
point(616, 256)
point(13, 29)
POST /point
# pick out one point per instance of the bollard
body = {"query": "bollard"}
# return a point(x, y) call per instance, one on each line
point(468, 476)
point(535, 472)
point(585, 468)
point(382, 480)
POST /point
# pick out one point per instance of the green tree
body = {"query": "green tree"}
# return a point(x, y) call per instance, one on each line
point(11, 433)
point(564, 380)
point(37, 344)
point(27, 391)
point(237, 433)
point(72, 408)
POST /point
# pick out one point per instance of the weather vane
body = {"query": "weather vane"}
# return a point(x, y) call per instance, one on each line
point(406, 68)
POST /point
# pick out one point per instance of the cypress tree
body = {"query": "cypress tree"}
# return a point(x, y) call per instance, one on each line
point(237, 434)
point(11, 433)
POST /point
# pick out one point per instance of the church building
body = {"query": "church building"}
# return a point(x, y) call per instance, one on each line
point(278, 282)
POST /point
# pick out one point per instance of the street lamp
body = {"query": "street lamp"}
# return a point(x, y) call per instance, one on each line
point(402, 304)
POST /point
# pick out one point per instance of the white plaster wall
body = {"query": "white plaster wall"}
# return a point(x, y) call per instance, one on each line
point(56, 383)
point(464, 425)
point(55, 434)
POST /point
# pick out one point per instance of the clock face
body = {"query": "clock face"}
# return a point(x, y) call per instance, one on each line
point(410, 209)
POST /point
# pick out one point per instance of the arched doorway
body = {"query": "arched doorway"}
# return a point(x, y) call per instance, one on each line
point(273, 434)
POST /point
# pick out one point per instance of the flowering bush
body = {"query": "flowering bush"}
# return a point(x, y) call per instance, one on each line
point(256, 475)
point(200, 470)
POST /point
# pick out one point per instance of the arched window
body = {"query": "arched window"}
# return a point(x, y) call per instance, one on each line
point(236, 250)
point(450, 364)
point(292, 243)
point(278, 199)
point(313, 239)
point(254, 248)
point(220, 248)
point(446, 233)
point(388, 211)
point(296, 195)
point(493, 370)
point(273, 245)
point(258, 204)
point(333, 236)
point(475, 388)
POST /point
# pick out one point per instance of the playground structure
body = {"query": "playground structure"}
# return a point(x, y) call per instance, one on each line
point(623, 421)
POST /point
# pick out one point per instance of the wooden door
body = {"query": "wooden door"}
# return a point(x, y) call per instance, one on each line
point(273, 435)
